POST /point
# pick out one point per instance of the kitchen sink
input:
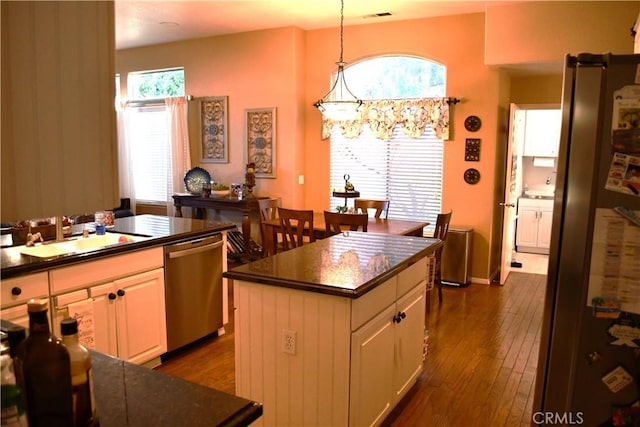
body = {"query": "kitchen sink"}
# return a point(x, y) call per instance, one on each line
point(533, 194)
point(45, 251)
point(79, 245)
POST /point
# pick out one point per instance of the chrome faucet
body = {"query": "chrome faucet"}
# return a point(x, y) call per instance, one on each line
point(548, 181)
point(59, 230)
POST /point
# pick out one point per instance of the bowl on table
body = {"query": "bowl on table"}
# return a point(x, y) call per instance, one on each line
point(220, 193)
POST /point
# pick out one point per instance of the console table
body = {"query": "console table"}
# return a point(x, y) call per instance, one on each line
point(201, 204)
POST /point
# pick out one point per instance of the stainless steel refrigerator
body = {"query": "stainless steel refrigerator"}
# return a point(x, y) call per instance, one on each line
point(589, 365)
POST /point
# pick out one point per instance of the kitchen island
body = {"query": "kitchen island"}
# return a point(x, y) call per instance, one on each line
point(131, 395)
point(332, 333)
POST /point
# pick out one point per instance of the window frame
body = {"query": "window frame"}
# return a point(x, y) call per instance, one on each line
point(428, 206)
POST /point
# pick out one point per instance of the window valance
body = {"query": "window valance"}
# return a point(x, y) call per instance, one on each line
point(413, 115)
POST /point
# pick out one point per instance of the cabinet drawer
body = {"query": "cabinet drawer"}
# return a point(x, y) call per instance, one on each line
point(372, 303)
point(409, 278)
point(62, 307)
point(18, 315)
point(102, 270)
point(70, 298)
point(27, 287)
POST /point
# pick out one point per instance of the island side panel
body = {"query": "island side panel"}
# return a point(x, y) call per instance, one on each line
point(310, 386)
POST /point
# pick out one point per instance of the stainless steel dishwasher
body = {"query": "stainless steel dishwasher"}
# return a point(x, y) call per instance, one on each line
point(193, 289)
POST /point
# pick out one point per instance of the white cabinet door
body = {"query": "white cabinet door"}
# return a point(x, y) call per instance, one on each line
point(140, 312)
point(409, 339)
point(542, 133)
point(372, 352)
point(544, 228)
point(527, 234)
point(104, 317)
point(534, 225)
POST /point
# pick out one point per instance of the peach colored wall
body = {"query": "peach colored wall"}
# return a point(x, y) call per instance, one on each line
point(456, 42)
point(536, 89)
point(255, 70)
point(545, 31)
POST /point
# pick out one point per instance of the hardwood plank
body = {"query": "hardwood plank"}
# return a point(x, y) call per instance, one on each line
point(480, 370)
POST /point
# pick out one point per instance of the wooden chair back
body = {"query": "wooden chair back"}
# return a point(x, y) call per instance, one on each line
point(442, 225)
point(335, 222)
point(83, 219)
point(381, 206)
point(295, 225)
point(269, 208)
point(268, 211)
point(440, 232)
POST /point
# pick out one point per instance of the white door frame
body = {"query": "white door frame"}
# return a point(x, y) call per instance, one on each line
point(512, 189)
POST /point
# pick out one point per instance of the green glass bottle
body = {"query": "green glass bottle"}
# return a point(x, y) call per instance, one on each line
point(12, 403)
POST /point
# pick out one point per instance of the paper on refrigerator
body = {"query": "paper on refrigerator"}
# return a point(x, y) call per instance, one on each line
point(615, 260)
point(624, 174)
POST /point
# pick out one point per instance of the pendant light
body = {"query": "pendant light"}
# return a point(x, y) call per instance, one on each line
point(339, 103)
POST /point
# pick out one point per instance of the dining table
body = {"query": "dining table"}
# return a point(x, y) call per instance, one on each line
point(401, 227)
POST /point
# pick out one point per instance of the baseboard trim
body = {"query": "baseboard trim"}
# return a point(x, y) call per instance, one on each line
point(480, 281)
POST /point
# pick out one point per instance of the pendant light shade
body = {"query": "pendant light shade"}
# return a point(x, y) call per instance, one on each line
point(339, 103)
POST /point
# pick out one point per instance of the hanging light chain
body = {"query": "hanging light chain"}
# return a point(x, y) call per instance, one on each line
point(341, 30)
point(339, 109)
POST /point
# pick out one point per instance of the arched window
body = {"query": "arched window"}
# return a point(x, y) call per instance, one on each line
point(403, 169)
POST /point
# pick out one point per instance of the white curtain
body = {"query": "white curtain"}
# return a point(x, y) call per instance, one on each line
point(179, 148)
point(127, 187)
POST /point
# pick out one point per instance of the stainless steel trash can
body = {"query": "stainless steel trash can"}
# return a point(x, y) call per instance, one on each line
point(456, 257)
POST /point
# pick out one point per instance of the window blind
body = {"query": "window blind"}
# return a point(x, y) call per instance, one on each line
point(149, 139)
point(407, 171)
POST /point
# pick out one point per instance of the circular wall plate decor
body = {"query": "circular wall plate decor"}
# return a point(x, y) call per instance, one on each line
point(472, 123)
point(472, 176)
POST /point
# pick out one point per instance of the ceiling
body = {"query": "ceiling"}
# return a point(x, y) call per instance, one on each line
point(146, 22)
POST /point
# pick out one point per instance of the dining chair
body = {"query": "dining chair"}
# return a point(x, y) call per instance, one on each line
point(268, 211)
point(296, 227)
point(440, 232)
point(381, 206)
point(335, 222)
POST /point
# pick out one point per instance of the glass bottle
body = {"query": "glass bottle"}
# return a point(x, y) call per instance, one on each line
point(15, 334)
point(12, 404)
point(43, 372)
point(81, 376)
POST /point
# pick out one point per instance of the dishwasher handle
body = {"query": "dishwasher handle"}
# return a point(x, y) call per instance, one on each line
point(190, 250)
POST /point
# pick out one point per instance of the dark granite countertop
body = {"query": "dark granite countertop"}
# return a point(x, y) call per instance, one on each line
point(132, 395)
point(349, 264)
point(160, 230)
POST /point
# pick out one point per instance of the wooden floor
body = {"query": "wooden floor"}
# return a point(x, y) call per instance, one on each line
point(481, 366)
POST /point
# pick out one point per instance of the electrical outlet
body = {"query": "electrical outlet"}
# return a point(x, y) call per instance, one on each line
point(289, 341)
